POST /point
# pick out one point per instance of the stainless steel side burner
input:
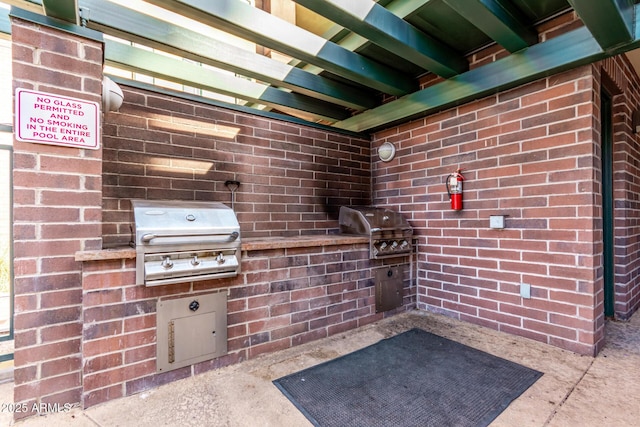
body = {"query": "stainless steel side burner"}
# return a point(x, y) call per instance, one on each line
point(182, 241)
point(389, 232)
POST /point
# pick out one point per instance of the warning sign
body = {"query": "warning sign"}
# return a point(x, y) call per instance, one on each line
point(52, 119)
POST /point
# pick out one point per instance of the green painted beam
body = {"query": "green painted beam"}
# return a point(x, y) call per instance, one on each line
point(134, 26)
point(610, 21)
point(497, 19)
point(65, 10)
point(401, 8)
point(40, 19)
point(566, 51)
point(406, 8)
point(378, 25)
point(354, 42)
point(240, 19)
point(175, 70)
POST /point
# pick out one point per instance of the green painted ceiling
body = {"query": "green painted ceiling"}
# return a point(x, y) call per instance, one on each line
point(363, 73)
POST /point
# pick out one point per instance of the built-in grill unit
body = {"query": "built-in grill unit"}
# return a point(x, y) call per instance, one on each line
point(389, 232)
point(181, 241)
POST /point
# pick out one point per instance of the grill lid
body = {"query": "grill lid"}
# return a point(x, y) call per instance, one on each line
point(366, 220)
point(171, 222)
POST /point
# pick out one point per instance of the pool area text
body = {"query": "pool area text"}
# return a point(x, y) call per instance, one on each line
point(57, 120)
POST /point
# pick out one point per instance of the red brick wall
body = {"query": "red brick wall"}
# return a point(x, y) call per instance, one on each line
point(531, 154)
point(527, 154)
point(294, 178)
point(623, 83)
point(283, 298)
point(56, 212)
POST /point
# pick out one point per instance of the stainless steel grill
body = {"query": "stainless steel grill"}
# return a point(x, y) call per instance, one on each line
point(181, 241)
point(389, 233)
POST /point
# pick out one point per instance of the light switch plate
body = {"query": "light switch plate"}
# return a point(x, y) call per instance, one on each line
point(496, 221)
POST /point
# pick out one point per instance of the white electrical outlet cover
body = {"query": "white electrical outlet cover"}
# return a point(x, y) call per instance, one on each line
point(496, 221)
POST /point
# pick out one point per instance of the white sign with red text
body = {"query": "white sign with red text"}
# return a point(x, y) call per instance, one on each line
point(58, 120)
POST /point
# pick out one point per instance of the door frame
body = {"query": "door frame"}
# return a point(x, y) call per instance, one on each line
point(9, 149)
point(608, 230)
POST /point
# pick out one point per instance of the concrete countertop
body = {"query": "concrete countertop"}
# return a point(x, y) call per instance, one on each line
point(249, 244)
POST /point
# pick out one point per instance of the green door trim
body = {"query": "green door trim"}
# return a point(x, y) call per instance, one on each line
point(608, 248)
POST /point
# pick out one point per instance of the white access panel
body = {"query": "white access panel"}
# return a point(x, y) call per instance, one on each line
point(191, 330)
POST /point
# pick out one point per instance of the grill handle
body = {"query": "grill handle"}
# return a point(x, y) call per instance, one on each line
point(377, 229)
point(146, 238)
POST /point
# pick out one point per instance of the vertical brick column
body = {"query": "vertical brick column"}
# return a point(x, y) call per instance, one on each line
point(57, 211)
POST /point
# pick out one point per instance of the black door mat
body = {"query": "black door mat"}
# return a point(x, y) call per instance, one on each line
point(413, 379)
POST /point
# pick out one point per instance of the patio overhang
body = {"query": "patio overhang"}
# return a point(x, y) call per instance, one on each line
point(353, 65)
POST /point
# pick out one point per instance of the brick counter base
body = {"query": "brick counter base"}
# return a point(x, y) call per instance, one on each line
point(285, 296)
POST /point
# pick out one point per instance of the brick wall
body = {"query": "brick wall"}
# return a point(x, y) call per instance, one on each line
point(56, 212)
point(293, 178)
point(283, 298)
point(293, 181)
point(526, 153)
point(624, 84)
point(531, 154)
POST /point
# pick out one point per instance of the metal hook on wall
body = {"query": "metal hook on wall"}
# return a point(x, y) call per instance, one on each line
point(232, 185)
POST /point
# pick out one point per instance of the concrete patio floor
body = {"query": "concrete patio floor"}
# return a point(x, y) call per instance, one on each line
point(574, 390)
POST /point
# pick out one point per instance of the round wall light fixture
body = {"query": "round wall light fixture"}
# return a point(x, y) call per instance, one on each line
point(387, 151)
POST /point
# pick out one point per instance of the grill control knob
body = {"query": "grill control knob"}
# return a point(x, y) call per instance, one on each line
point(195, 261)
point(394, 245)
point(167, 263)
point(404, 244)
point(220, 258)
point(194, 306)
point(383, 246)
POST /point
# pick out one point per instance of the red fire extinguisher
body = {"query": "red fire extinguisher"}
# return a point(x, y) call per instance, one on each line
point(454, 188)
